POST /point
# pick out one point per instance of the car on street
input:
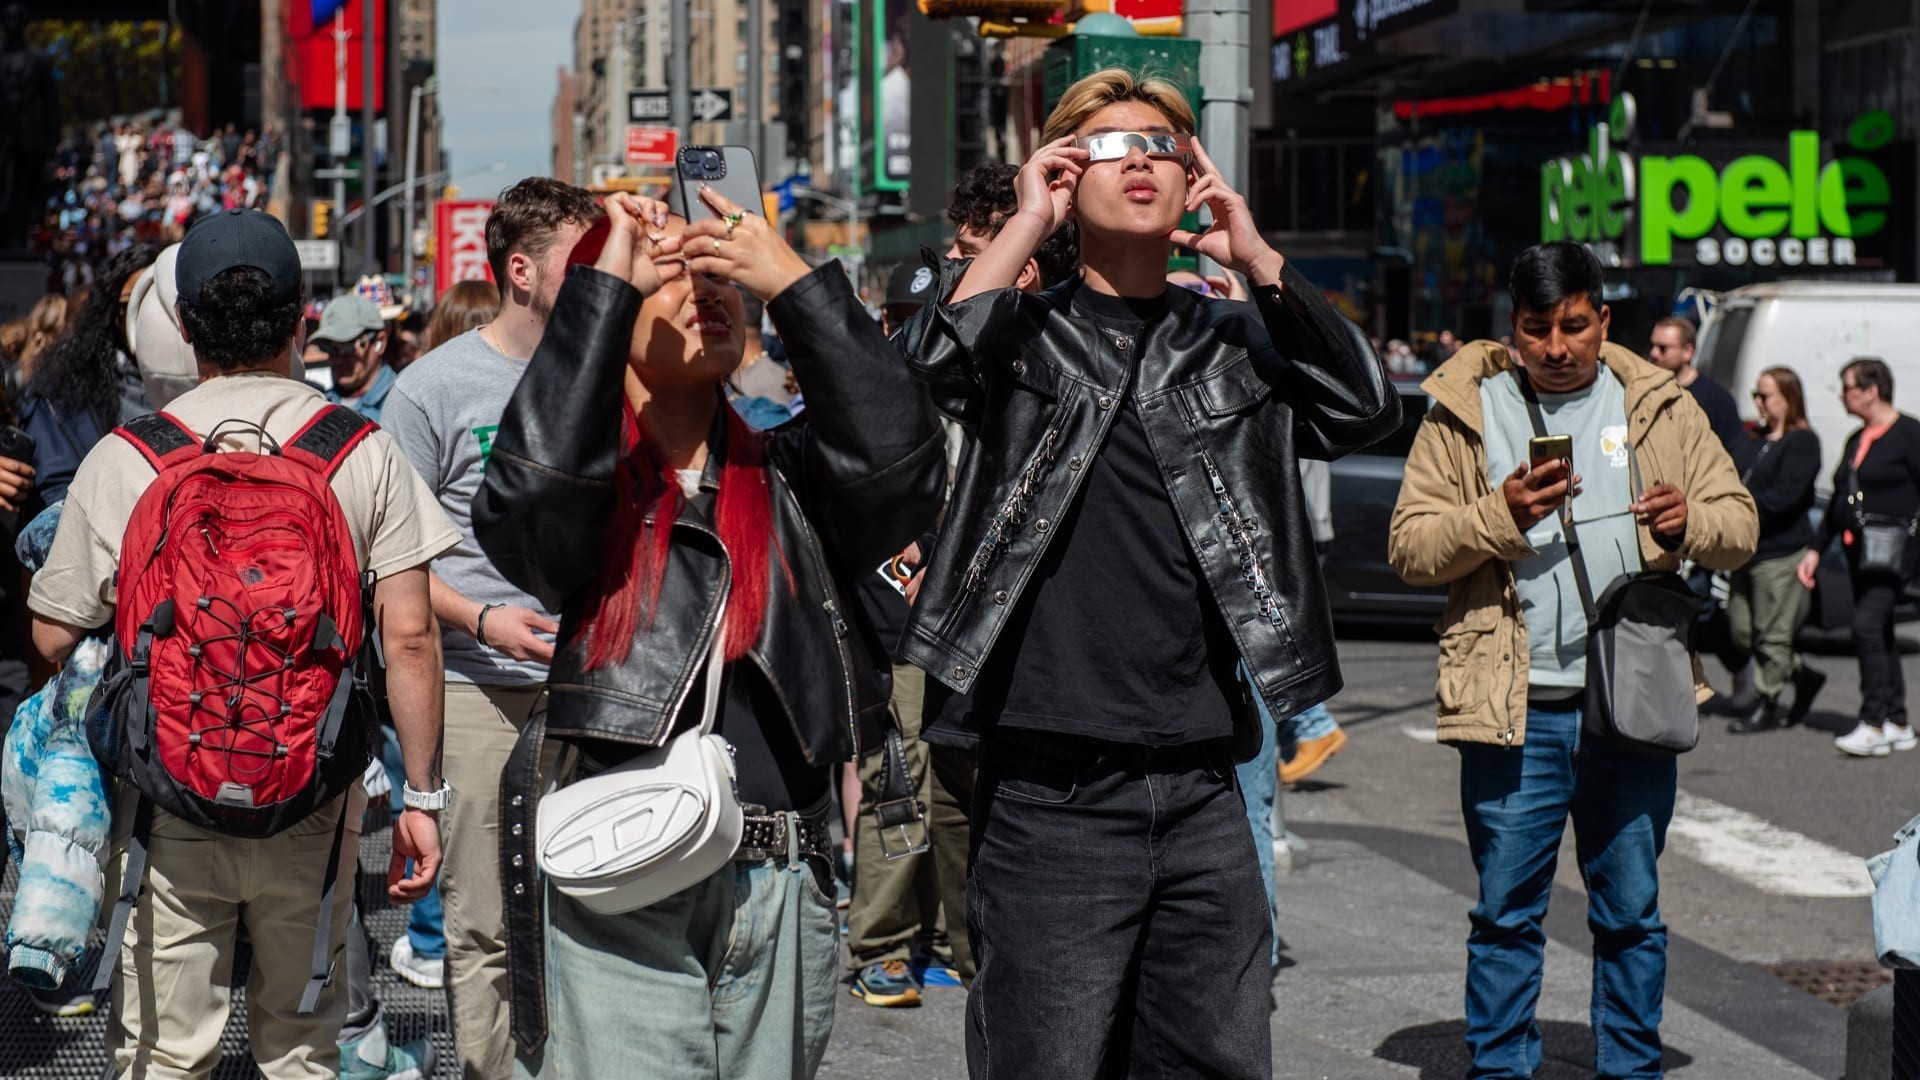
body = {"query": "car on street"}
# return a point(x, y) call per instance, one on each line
point(1361, 586)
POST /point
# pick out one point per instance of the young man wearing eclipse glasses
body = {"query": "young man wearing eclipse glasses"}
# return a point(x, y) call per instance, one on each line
point(1128, 525)
point(354, 337)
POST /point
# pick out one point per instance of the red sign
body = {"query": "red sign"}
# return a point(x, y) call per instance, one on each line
point(651, 145)
point(311, 57)
point(460, 243)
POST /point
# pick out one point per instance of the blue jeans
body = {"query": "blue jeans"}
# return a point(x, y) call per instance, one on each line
point(1516, 802)
point(1259, 782)
point(734, 977)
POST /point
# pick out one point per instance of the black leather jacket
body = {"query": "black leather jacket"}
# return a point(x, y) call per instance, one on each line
point(851, 486)
point(1231, 395)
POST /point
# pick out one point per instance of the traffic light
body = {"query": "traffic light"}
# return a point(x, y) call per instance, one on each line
point(322, 218)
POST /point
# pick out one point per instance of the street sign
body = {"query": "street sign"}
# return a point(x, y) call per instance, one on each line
point(648, 107)
point(316, 255)
point(712, 103)
point(460, 243)
point(651, 145)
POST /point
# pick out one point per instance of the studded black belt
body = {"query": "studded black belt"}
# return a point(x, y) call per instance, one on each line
point(785, 834)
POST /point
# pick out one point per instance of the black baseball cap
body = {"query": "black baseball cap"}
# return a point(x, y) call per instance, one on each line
point(910, 283)
point(238, 238)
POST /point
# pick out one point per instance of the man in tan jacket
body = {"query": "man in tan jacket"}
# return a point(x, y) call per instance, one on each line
point(1647, 486)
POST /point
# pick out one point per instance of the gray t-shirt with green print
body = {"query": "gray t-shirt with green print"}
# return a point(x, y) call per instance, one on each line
point(443, 412)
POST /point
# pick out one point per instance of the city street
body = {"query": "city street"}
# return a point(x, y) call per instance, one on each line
point(1763, 867)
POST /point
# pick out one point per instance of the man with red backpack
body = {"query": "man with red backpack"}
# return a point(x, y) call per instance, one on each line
point(258, 553)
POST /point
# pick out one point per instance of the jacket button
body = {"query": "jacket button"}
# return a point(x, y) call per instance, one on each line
point(1104, 401)
point(1124, 342)
point(1019, 367)
point(1074, 464)
point(1000, 597)
point(1042, 525)
point(959, 672)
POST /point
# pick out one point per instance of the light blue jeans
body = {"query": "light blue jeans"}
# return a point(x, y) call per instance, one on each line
point(734, 977)
point(1259, 780)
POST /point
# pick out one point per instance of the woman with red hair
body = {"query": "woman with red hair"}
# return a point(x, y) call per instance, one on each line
point(624, 493)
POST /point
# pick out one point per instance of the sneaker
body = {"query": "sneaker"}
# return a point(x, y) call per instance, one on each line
point(933, 971)
point(1865, 740)
point(1900, 736)
point(369, 1056)
point(1310, 755)
point(428, 973)
point(67, 999)
point(887, 985)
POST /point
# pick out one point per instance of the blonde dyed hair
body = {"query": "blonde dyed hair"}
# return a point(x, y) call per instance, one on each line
point(1112, 86)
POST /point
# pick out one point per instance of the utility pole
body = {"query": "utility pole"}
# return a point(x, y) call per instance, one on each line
point(618, 82)
point(413, 162)
point(679, 78)
point(368, 181)
point(756, 69)
point(340, 133)
point(1225, 94)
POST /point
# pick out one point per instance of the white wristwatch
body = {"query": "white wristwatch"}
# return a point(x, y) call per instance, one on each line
point(428, 800)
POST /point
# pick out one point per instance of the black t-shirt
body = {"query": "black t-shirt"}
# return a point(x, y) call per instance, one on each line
point(1116, 636)
point(1722, 413)
point(766, 752)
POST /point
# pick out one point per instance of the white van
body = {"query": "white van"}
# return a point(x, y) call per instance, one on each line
point(1815, 328)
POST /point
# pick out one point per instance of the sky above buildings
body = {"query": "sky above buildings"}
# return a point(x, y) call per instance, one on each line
point(497, 64)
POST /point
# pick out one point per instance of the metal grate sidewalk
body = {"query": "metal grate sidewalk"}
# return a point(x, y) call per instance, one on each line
point(34, 1046)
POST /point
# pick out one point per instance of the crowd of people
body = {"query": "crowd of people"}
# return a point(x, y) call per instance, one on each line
point(703, 597)
point(146, 182)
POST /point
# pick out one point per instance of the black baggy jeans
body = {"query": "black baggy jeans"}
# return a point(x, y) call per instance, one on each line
point(1117, 913)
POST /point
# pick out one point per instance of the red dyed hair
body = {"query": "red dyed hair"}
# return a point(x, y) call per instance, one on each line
point(647, 500)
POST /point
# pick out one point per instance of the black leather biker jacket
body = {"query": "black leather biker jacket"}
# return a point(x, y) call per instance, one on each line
point(1231, 396)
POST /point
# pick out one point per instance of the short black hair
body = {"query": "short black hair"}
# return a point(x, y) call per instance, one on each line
point(235, 323)
point(985, 198)
point(1548, 275)
point(1871, 371)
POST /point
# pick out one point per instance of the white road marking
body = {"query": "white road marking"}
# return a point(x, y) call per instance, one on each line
point(1426, 733)
point(1762, 854)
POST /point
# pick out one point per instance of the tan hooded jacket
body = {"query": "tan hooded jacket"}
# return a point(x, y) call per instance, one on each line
point(1452, 527)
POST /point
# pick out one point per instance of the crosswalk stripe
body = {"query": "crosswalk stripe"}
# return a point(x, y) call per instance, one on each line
point(1762, 854)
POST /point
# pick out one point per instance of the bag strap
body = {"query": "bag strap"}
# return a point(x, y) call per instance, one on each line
point(161, 438)
point(132, 882)
point(1580, 578)
point(716, 667)
point(323, 933)
point(328, 438)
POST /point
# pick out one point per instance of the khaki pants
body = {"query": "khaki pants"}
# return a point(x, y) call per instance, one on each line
point(895, 901)
point(482, 724)
point(1763, 612)
point(171, 992)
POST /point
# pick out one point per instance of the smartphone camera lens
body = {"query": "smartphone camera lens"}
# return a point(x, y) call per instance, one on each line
point(712, 164)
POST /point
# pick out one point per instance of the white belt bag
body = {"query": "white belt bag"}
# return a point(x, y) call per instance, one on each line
point(643, 831)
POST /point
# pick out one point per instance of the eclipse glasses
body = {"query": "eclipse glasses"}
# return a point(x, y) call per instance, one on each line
point(1113, 145)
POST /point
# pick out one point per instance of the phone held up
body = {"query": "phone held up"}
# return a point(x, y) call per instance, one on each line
point(728, 170)
point(1542, 449)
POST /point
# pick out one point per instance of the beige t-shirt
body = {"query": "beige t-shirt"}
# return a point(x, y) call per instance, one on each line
point(395, 521)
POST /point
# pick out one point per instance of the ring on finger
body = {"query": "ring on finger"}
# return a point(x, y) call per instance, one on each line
point(732, 220)
point(716, 245)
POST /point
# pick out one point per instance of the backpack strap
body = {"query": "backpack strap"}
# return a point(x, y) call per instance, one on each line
point(323, 933)
point(328, 438)
point(132, 881)
point(161, 439)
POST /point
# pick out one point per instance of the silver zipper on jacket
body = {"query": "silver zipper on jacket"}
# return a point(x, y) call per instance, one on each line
point(1240, 532)
point(841, 631)
point(1013, 513)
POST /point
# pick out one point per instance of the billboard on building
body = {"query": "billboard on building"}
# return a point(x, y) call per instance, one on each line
point(460, 243)
point(311, 56)
point(892, 93)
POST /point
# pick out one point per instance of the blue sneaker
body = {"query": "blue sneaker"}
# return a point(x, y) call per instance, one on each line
point(886, 985)
point(932, 971)
point(369, 1056)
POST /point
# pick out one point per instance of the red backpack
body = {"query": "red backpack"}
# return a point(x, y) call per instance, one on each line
point(240, 695)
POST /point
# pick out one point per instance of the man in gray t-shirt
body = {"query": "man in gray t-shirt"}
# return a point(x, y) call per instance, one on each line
point(443, 411)
point(1596, 416)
